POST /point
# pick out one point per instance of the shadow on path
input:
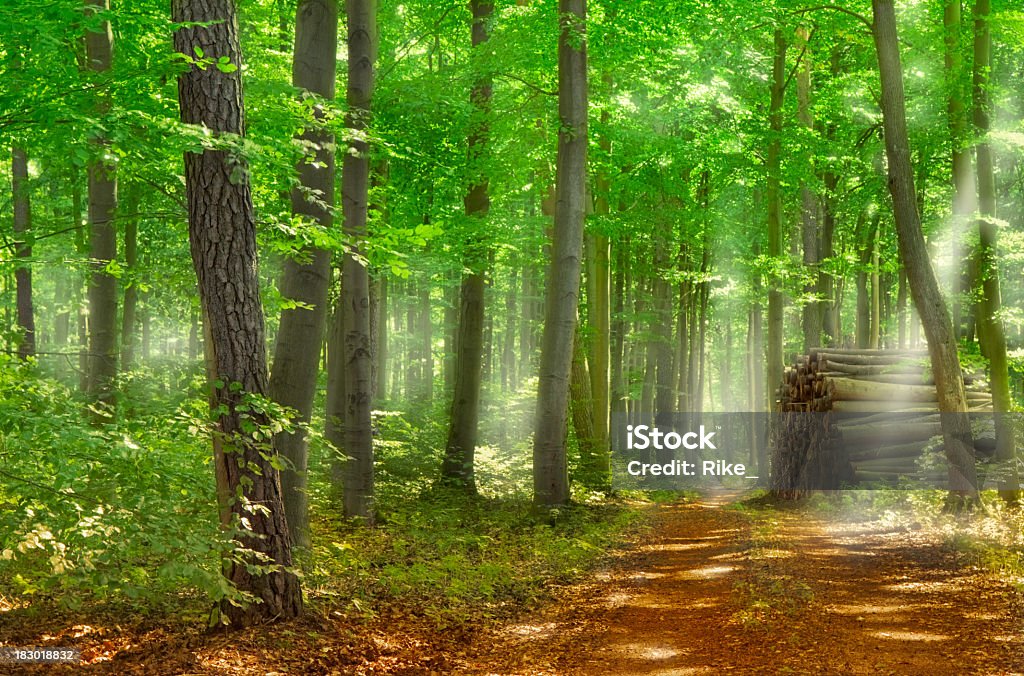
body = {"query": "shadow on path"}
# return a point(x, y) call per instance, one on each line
point(878, 601)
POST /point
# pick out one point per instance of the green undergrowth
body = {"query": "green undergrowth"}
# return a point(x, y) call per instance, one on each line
point(990, 536)
point(768, 593)
point(454, 558)
point(120, 517)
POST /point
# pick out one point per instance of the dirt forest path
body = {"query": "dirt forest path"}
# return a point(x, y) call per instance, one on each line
point(709, 595)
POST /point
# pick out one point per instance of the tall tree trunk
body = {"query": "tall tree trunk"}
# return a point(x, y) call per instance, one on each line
point(963, 190)
point(774, 199)
point(381, 352)
point(102, 235)
point(550, 475)
point(618, 329)
point(876, 299)
point(811, 312)
point(131, 289)
point(23, 251)
point(222, 238)
point(598, 291)
point(457, 467)
point(992, 333)
point(354, 351)
point(306, 280)
point(924, 287)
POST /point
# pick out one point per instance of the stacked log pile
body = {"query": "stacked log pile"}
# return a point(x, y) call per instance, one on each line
point(872, 381)
point(879, 416)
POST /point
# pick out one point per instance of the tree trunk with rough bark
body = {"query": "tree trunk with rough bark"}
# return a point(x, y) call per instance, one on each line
point(222, 238)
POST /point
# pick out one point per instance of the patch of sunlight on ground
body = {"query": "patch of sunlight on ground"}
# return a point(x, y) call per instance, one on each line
point(683, 548)
point(910, 636)
point(1008, 638)
point(619, 599)
point(925, 587)
point(706, 572)
point(644, 575)
point(533, 630)
point(648, 652)
point(851, 609)
point(776, 554)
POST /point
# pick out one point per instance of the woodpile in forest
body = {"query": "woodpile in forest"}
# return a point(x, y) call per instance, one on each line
point(876, 415)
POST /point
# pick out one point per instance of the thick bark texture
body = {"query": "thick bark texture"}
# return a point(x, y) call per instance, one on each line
point(550, 475)
point(774, 199)
point(991, 331)
point(222, 238)
point(23, 251)
point(357, 472)
point(924, 288)
point(102, 235)
point(306, 279)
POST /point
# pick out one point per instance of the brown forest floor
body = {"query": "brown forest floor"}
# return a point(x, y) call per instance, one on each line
point(703, 595)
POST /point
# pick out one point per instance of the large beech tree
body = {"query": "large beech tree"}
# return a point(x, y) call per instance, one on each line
point(222, 239)
point(550, 476)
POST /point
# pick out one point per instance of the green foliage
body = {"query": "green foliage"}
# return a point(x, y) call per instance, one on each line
point(121, 512)
point(457, 558)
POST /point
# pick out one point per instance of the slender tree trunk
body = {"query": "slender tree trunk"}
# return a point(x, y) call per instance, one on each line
point(876, 299)
point(222, 237)
point(618, 329)
point(924, 287)
point(131, 289)
point(457, 467)
point(598, 291)
point(102, 235)
point(452, 289)
point(425, 333)
point(381, 352)
point(551, 483)
point(23, 251)
point(774, 199)
point(354, 350)
point(992, 335)
point(963, 190)
point(305, 280)
point(811, 312)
